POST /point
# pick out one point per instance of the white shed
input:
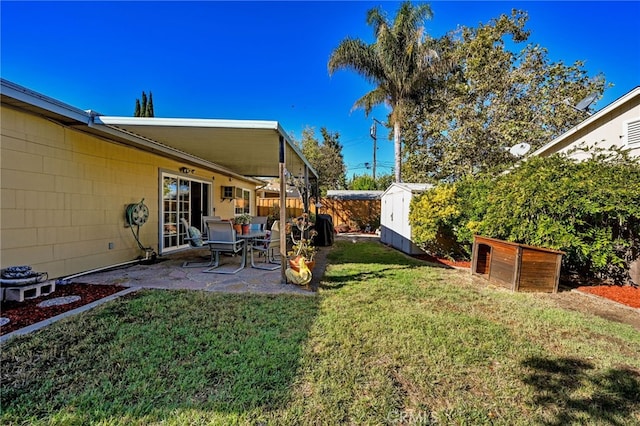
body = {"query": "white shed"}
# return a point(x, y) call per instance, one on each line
point(394, 218)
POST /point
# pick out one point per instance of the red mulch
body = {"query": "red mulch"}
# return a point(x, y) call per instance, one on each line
point(26, 313)
point(627, 295)
point(443, 261)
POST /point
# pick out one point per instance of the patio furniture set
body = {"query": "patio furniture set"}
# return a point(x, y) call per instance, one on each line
point(222, 238)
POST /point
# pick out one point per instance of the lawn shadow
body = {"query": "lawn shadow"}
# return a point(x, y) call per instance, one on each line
point(367, 252)
point(559, 387)
point(335, 282)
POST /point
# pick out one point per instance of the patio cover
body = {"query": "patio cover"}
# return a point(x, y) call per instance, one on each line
point(248, 147)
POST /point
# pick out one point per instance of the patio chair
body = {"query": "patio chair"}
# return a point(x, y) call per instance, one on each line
point(222, 239)
point(195, 240)
point(268, 247)
point(258, 223)
point(204, 223)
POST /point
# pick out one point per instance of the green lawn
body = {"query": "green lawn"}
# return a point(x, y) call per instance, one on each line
point(388, 340)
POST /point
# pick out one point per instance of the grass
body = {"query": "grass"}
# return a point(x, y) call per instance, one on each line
point(388, 340)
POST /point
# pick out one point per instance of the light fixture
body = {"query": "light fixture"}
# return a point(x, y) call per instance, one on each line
point(187, 170)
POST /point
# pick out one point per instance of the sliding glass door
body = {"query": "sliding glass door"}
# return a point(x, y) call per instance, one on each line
point(182, 197)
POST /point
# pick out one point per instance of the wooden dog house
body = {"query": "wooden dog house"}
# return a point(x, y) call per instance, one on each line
point(518, 267)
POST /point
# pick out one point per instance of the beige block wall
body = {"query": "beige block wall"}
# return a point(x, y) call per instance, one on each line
point(63, 195)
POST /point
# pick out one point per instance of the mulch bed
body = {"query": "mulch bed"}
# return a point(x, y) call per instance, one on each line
point(627, 295)
point(443, 261)
point(25, 313)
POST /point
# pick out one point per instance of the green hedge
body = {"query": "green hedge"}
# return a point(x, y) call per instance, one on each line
point(589, 209)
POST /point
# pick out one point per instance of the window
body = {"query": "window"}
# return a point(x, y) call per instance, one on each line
point(243, 201)
point(227, 192)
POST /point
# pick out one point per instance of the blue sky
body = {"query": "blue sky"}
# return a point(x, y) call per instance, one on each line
point(268, 60)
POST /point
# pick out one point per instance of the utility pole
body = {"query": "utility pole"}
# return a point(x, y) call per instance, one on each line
point(373, 133)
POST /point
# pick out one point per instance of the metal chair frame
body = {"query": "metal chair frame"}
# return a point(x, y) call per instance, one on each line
point(222, 238)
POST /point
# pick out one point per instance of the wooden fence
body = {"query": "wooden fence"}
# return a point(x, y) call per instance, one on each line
point(348, 215)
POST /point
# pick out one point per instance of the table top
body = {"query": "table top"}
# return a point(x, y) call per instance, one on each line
point(252, 234)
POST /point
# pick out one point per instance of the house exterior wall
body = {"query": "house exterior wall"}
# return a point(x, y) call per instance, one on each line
point(64, 192)
point(605, 132)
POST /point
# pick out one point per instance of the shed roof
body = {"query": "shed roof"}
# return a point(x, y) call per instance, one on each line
point(354, 195)
point(414, 188)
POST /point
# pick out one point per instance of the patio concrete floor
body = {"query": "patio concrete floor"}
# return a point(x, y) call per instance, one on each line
point(168, 273)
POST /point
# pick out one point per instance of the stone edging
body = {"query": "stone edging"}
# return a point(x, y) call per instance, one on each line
point(48, 321)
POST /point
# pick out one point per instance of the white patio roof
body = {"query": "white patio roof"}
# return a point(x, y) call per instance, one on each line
point(247, 147)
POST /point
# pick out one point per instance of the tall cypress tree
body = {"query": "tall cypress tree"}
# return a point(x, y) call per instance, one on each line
point(144, 109)
point(149, 110)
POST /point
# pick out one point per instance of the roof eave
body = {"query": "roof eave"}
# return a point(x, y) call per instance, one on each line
point(586, 122)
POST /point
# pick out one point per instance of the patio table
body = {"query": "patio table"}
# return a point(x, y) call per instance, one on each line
point(249, 240)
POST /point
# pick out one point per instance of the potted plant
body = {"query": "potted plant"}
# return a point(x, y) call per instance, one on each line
point(237, 224)
point(244, 220)
point(302, 247)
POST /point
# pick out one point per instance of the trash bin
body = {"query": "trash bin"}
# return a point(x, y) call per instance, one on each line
point(324, 228)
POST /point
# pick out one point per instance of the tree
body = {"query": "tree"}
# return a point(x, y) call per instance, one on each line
point(325, 157)
point(362, 183)
point(149, 110)
point(401, 64)
point(144, 108)
point(366, 182)
point(500, 98)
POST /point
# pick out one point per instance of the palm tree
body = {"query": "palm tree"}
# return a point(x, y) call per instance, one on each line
point(400, 64)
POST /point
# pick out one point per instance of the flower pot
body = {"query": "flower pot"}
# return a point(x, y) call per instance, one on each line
point(246, 229)
point(238, 228)
point(295, 261)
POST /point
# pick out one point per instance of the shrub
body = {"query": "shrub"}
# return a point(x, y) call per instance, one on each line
point(433, 215)
point(444, 219)
point(589, 209)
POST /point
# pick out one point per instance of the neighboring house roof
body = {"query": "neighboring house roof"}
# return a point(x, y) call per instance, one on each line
point(272, 185)
point(622, 105)
point(238, 148)
point(414, 188)
point(338, 194)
